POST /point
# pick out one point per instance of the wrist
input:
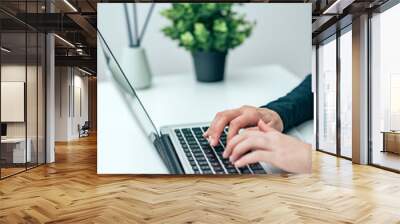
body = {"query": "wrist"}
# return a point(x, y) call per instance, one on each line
point(278, 123)
point(272, 117)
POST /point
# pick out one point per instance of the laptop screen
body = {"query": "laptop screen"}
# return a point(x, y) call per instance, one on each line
point(127, 90)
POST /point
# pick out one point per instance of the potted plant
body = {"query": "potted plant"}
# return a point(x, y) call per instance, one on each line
point(208, 31)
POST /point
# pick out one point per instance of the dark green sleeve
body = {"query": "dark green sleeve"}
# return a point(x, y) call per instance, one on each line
point(296, 107)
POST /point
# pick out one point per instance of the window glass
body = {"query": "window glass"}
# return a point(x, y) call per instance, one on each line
point(327, 96)
point(346, 94)
point(14, 153)
point(41, 79)
point(22, 91)
point(31, 100)
point(385, 87)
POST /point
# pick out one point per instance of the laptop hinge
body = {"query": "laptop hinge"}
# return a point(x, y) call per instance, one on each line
point(167, 152)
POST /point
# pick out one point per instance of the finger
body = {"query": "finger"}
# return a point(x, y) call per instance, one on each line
point(218, 125)
point(236, 124)
point(252, 142)
point(254, 157)
point(253, 129)
point(264, 127)
point(234, 141)
point(217, 117)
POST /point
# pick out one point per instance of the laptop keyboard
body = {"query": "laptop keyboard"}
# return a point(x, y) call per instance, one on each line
point(205, 159)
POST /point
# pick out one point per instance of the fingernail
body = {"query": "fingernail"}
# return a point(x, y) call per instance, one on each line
point(231, 159)
point(209, 139)
point(212, 141)
point(237, 164)
point(224, 154)
point(215, 142)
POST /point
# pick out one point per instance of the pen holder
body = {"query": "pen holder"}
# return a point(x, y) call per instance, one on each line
point(136, 67)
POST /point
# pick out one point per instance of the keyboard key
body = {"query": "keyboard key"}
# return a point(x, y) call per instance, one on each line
point(198, 132)
point(197, 150)
point(203, 163)
point(219, 148)
point(210, 156)
point(232, 170)
point(229, 165)
point(216, 165)
point(198, 155)
point(244, 170)
point(205, 168)
point(257, 168)
point(192, 142)
point(185, 147)
point(188, 154)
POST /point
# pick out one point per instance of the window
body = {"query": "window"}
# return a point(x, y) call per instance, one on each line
point(385, 89)
point(22, 107)
point(327, 96)
point(346, 93)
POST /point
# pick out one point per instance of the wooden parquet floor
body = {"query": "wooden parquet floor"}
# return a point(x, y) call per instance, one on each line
point(70, 191)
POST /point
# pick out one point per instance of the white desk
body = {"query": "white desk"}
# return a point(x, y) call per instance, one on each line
point(179, 99)
point(18, 149)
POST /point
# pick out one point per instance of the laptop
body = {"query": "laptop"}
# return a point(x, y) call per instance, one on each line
point(182, 148)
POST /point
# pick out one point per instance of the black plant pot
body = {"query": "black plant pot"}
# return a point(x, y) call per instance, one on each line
point(209, 66)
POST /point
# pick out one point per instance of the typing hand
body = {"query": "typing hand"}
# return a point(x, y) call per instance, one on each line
point(245, 116)
point(270, 146)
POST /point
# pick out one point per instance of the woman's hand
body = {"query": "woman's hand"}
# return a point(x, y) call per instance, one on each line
point(270, 146)
point(243, 117)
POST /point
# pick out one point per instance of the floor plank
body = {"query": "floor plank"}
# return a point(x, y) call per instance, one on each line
point(70, 191)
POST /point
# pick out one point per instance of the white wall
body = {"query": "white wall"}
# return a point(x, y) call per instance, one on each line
point(68, 82)
point(282, 36)
point(15, 72)
point(34, 125)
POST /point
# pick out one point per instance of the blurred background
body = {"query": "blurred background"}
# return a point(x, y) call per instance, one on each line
point(275, 39)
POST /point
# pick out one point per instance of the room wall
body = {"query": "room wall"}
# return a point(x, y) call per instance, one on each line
point(69, 112)
point(15, 72)
point(33, 127)
point(278, 38)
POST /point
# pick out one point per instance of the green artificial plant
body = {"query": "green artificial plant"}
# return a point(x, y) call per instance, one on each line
point(206, 26)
